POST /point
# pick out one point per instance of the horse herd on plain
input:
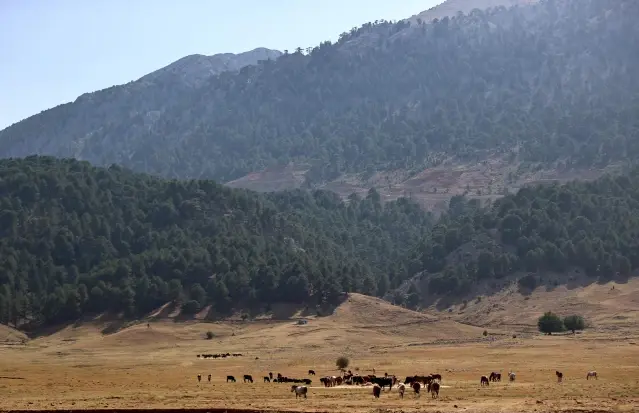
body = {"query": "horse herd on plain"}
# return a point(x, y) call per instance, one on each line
point(431, 382)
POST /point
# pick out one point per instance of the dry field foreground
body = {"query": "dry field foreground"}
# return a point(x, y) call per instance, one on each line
point(156, 367)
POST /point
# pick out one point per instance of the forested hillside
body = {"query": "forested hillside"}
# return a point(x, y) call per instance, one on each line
point(78, 240)
point(75, 239)
point(591, 226)
point(553, 82)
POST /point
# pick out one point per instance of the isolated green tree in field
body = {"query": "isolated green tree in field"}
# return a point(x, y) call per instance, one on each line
point(574, 322)
point(342, 362)
point(550, 323)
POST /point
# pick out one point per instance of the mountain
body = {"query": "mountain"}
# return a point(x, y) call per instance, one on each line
point(76, 240)
point(475, 104)
point(134, 107)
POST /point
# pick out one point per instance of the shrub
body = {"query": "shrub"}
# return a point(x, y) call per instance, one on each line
point(550, 323)
point(528, 282)
point(190, 307)
point(485, 333)
point(209, 335)
point(574, 322)
point(342, 362)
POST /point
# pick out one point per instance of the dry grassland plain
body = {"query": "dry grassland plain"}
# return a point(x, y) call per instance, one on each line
point(79, 367)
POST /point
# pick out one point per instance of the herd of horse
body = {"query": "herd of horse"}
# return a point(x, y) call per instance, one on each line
point(431, 382)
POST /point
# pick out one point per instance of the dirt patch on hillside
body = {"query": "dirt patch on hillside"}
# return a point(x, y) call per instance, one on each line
point(431, 187)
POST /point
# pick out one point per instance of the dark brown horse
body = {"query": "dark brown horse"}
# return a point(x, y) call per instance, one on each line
point(560, 376)
point(376, 391)
point(484, 381)
point(433, 388)
point(416, 387)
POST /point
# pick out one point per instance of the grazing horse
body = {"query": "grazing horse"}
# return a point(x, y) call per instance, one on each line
point(511, 376)
point(299, 391)
point(401, 388)
point(383, 382)
point(416, 387)
point(209, 377)
point(591, 374)
point(248, 377)
point(560, 376)
point(267, 379)
point(270, 375)
point(483, 381)
point(376, 390)
point(311, 372)
point(437, 377)
point(199, 377)
point(230, 378)
point(433, 388)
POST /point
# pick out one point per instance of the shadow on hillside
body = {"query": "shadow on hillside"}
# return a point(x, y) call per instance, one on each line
point(523, 283)
point(276, 312)
point(112, 323)
point(37, 331)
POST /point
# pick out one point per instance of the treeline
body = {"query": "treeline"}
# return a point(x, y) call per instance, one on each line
point(592, 226)
point(75, 240)
point(553, 82)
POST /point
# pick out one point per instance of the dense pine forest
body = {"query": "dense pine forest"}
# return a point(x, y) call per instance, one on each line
point(75, 239)
point(78, 240)
point(590, 226)
point(554, 82)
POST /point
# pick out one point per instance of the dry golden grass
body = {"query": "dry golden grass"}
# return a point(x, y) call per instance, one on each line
point(140, 367)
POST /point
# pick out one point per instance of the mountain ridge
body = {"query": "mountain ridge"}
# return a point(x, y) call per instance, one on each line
point(497, 98)
point(194, 69)
point(450, 8)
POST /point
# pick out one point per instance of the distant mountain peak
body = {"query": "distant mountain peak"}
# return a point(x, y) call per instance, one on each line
point(450, 8)
point(193, 69)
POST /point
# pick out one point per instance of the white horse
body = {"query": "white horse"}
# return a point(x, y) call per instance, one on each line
point(401, 387)
point(591, 374)
point(299, 391)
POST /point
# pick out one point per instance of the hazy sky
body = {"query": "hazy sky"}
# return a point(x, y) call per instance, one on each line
point(52, 51)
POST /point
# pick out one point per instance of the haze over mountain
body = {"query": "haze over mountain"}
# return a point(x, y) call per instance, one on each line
point(548, 85)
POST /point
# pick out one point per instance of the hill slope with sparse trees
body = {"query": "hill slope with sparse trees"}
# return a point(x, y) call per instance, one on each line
point(552, 82)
